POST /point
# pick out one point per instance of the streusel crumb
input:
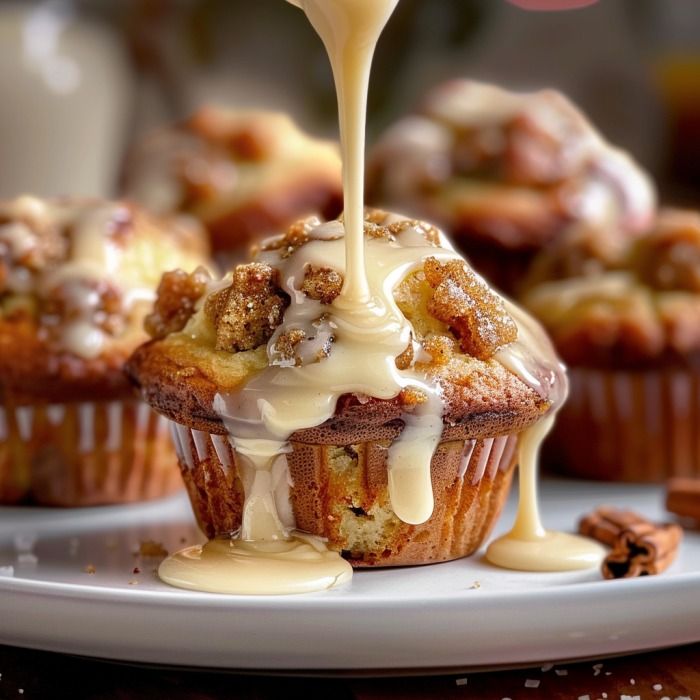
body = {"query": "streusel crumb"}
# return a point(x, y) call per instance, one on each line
point(246, 313)
point(463, 301)
point(178, 293)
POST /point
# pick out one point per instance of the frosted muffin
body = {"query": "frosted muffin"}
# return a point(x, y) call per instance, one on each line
point(273, 321)
point(243, 174)
point(506, 173)
point(77, 278)
point(626, 319)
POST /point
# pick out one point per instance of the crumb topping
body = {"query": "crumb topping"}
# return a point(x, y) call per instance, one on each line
point(177, 297)
point(440, 348)
point(286, 344)
point(322, 284)
point(463, 301)
point(451, 309)
point(292, 239)
point(246, 313)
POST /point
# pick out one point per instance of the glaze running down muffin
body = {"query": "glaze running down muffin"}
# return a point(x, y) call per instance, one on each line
point(77, 278)
point(626, 318)
point(243, 174)
point(505, 173)
point(274, 323)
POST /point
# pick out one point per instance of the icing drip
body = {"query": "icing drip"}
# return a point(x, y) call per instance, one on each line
point(528, 546)
point(361, 360)
point(348, 346)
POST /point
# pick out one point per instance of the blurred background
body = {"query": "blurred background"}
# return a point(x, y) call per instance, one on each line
point(81, 79)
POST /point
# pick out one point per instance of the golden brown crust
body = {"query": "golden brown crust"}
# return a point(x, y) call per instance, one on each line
point(479, 400)
point(244, 175)
point(31, 370)
point(78, 274)
point(182, 374)
point(669, 258)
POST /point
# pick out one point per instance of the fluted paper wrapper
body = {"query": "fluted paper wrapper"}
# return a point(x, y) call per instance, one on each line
point(629, 426)
point(340, 493)
point(84, 454)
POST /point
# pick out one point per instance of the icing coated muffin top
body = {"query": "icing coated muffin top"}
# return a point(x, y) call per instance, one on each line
point(212, 337)
point(77, 277)
point(510, 168)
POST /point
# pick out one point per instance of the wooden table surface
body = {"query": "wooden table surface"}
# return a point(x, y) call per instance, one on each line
point(668, 674)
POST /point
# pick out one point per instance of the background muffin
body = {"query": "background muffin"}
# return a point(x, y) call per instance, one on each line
point(505, 173)
point(243, 174)
point(626, 318)
point(77, 278)
point(336, 483)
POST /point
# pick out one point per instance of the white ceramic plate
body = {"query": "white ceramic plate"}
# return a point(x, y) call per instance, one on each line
point(422, 618)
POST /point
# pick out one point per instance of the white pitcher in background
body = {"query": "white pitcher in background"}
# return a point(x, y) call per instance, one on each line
point(67, 97)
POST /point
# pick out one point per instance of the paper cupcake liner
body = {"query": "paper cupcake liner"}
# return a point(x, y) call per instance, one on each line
point(84, 453)
point(340, 493)
point(629, 426)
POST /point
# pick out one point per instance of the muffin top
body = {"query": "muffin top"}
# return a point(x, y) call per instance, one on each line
point(510, 168)
point(257, 166)
point(77, 277)
point(276, 321)
point(622, 305)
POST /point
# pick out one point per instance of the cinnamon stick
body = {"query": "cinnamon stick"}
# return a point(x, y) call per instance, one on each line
point(683, 497)
point(638, 546)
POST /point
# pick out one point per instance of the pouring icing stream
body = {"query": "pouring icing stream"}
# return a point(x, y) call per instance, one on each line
point(369, 332)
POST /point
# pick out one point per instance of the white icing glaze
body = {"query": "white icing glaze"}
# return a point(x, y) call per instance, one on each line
point(528, 546)
point(368, 331)
point(93, 257)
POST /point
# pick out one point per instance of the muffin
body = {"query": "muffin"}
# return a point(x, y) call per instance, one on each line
point(626, 319)
point(506, 173)
point(77, 278)
point(242, 174)
point(215, 340)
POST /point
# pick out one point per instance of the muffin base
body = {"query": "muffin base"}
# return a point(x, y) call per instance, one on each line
point(629, 426)
point(343, 495)
point(84, 454)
